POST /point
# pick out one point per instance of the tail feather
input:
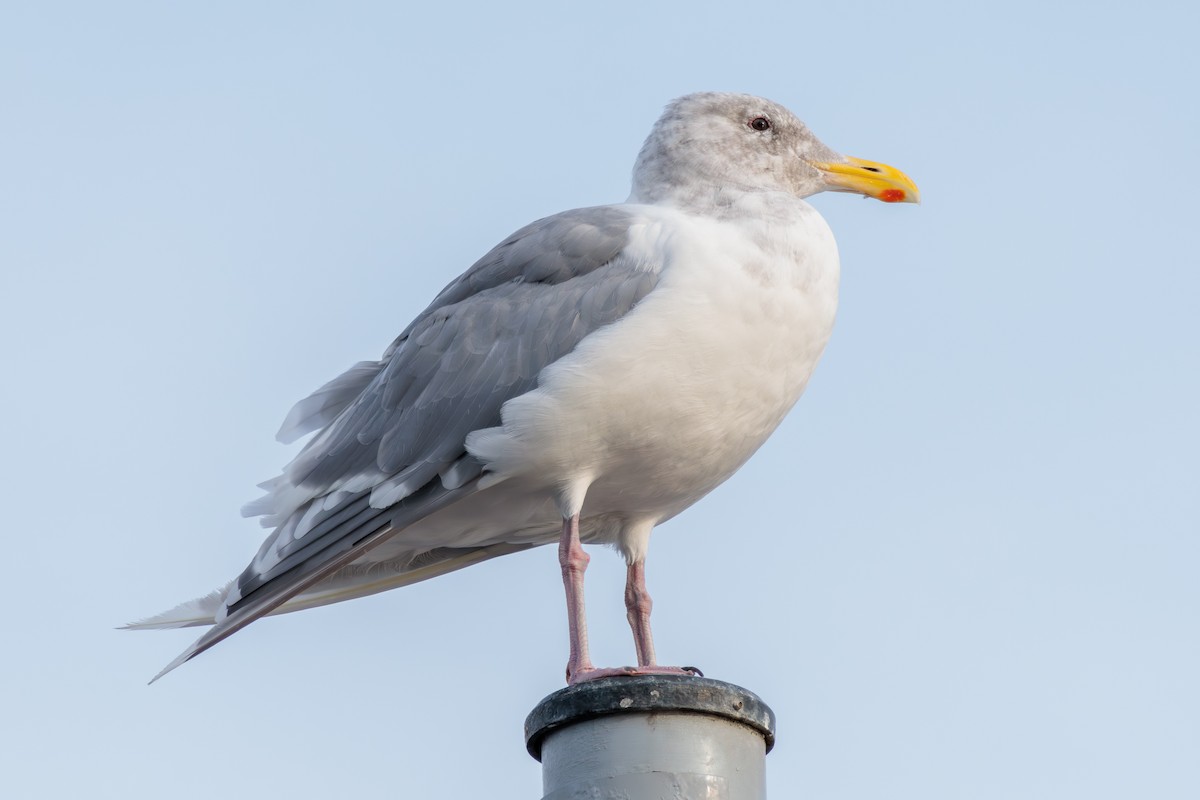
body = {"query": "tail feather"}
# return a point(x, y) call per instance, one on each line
point(271, 596)
point(361, 580)
point(317, 583)
point(349, 583)
point(201, 611)
point(328, 553)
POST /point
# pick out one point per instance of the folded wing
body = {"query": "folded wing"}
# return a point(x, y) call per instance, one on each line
point(391, 450)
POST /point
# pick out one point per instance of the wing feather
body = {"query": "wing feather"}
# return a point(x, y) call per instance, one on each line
point(392, 446)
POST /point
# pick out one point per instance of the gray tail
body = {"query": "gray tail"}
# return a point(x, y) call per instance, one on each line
point(336, 549)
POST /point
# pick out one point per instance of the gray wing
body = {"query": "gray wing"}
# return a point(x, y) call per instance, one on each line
point(482, 341)
point(392, 450)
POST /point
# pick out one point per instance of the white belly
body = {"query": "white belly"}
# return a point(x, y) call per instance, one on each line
point(651, 413)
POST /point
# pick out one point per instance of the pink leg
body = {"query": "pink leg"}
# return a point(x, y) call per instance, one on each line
point(574, 561)
point(637, 609)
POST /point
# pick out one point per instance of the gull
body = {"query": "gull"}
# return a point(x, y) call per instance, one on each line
point(592, 376)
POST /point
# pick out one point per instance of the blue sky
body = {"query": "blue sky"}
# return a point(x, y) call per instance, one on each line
point(965, 566)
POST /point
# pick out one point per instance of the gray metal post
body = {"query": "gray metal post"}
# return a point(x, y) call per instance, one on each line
point(645, 737)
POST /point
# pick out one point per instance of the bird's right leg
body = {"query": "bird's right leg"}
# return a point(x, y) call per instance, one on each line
point(637, 610)
point(574, 560)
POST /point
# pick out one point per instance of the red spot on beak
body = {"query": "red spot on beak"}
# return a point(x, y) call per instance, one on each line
point(892, 196)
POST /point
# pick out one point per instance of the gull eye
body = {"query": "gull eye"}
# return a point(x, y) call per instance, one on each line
point(760, 124)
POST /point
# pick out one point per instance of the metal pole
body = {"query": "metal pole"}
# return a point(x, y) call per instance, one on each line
point(645, 737)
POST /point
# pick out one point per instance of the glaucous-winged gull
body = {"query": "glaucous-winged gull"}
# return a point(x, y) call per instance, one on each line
point(593, 375)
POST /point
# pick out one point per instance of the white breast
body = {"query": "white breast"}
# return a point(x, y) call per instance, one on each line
point(651, 413)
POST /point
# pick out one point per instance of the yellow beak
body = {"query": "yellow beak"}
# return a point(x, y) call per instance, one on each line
point(870, 178)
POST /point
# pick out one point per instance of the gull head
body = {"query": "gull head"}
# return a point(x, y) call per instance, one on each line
point(713, 143)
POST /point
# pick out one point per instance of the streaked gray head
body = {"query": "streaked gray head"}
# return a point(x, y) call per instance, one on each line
point(713, 144)
point(718, 141)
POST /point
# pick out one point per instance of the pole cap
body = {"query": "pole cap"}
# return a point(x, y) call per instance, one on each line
point(653, 694)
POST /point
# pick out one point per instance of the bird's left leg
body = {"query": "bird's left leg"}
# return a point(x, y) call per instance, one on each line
point(574, 560)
